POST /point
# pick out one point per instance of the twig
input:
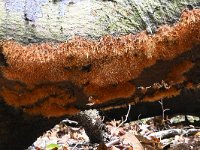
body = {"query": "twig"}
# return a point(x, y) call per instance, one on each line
point(75, 146)
point(113, 142)
point(126, 117)
point(103, 118)
point(163, 110)
point(69, 121)
point(123, 121)
point(191, 132)
point(166, 133)
point(140, 119)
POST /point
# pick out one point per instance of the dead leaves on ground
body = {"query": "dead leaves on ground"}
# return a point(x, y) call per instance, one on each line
point(140, 135)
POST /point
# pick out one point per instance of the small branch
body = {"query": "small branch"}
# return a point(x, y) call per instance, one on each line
point(123, 121)
point(69, 121)
point(166, 133)
point(75, 146)
point(113, 142)
point(172, 132)
point(126, 117)
point(163, 110)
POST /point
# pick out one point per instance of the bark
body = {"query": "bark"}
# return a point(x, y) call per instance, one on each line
point(60, 57)
point(30, 21)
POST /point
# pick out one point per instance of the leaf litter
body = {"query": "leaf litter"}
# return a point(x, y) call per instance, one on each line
point(176, 133)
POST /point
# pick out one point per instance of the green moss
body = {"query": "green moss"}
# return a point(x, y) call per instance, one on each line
point(90, 18)
point(132, 16)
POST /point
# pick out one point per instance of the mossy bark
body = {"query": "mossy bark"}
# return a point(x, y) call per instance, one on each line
point(30, 21)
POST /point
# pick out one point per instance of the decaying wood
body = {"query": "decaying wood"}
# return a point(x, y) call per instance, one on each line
point(111, 55)
point(171, 133)
point(57, 79)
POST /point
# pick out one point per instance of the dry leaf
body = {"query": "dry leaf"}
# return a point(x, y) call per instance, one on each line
point(133, 141)
point(197, 134)
point(102, 146)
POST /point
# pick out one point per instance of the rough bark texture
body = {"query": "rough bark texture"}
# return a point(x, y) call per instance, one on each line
point(59, 57)
point(31, 21)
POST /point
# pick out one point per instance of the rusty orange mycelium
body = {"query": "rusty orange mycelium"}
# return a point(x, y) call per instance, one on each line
point(41, 78)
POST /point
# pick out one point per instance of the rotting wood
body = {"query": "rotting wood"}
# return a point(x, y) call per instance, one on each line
point(46, 75)
point(59, 79)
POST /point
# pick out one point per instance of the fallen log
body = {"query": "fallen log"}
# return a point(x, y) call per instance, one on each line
point(60, 57)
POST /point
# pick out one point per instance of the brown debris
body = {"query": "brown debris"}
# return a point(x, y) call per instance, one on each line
point(159, 95)
point(176, 74)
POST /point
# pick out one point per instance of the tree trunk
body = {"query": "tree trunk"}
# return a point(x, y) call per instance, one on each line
point(60, 57)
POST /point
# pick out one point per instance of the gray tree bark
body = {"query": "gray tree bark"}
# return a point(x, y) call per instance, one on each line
point(60, 57)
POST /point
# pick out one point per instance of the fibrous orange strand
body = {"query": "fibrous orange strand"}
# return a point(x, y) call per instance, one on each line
point(159, 95)
point(190, 86)
point(176, 75)
point(30, 97)
point(51, 110)
point(104, 94)
point(113, 59)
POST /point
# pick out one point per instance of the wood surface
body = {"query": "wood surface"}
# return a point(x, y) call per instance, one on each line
point(60, 57)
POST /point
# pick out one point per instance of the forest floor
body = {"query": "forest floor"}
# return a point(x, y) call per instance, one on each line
point(172, 133)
